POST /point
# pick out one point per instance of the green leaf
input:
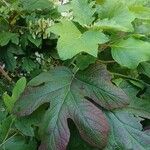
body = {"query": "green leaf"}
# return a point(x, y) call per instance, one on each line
point(135, 2)
point(10, 60)
point(76, 143)
point(7, 101)
point(3, 25)
point(68, 95)
point(144, 68)
point(15, 49)
point(17, 91)
point(138, 106)
point(31, 5)
point(72, 41)
point(126, 132)
point(83, 61)
point(6, 37)
point(3, 113)
point(28, 64)
point(100, 1)
point(107, 24)
point(27, 124)
point(143, 28)
point(140, 12)
point(19, 143)
point(131, 52)
point(5, 127)
point(114, 16)
point(37, 42)
point(19, 88)
point(83, 11)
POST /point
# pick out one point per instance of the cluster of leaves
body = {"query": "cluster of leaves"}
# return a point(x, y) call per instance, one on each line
point(88, 62)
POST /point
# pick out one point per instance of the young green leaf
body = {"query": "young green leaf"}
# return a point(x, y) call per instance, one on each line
point(114, 15)
point(83, 11)
point(67, 94)
point(72, 41)
point(131, 52)
point(17, 91)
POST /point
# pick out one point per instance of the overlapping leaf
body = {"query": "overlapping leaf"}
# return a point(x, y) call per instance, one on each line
point(67, 95)
point(83, 11)
point(114, 15)
point(17, 91)
point(144, 68)
point(32, 5)
point(72, 41)
point(138, 106)
point(131, 52)
point(19, 143)
point(126, 132)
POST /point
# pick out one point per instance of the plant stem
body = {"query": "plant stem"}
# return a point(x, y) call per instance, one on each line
point(4, 73)
point(8, 139)
point(129, 78)
point(5, 3)
point(105, 62)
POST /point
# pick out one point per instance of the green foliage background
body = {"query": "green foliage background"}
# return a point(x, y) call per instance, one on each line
point(41, 35)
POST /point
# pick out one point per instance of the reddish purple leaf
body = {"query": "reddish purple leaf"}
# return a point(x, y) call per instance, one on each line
point(66, 94)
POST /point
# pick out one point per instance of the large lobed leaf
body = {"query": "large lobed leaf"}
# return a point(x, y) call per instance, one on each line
point(67, 94)
point(72, 41)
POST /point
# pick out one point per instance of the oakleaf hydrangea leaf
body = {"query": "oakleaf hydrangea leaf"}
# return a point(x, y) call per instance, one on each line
point(68, 95)
point(114, 15)
point(126, 132)
point(131, 52)
point(83, 11)
point(72, 41)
